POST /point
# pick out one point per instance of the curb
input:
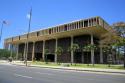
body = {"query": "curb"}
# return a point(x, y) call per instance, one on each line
point(73, 69)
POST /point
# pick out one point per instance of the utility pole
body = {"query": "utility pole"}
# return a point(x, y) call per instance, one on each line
point(3, 22)
point(29, 25)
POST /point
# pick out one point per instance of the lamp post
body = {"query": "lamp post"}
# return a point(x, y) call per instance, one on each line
point(3, 22)
point(29, 16)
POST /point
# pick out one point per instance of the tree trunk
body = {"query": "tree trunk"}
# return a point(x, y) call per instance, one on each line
point(118, 59)
point(124, 56)
point(87, 59)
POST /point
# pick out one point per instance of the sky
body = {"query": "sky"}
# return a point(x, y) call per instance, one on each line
point(47, 13)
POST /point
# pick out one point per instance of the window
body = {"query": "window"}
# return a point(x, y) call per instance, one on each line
point(81, 24)
point(90, 22)
point(49, 31)
point(38, 33)
point(86, 23)
point(65, 27)
point(19, 37)
point(94, 21)
point(97, 21)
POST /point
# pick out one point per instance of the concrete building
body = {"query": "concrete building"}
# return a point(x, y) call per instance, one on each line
point(81, 32)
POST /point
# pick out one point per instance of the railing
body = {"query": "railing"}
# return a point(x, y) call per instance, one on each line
point(23, 37)
point(16, 38)
point(8, 40)
point(67, 27)
point(33, 34)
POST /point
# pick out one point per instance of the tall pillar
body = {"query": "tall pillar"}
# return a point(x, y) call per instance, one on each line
point(24, 52)
point(56, 50)
point(92, 50)
point(101, 55)
point(17, 51)
point(43, 55)
point(82, 58)
point(11, 53)
point(33, 51)
point(72, 53)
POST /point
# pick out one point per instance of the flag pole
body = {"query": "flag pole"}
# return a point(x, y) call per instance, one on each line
point(29, 26)
point(1, 31)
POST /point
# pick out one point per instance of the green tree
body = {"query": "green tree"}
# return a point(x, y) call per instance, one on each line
point(46, 53)
point(88, 48)
point(108, 42)
point(5, 54)
point(59, 51)
point(73, 49)
point(121, 43)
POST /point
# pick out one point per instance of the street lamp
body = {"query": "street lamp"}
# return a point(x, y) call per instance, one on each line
point(3, 22)
point(29, 17)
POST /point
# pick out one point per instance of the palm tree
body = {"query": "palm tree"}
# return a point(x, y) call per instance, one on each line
point(108, 41)
point(107, 50)
point(73, 48)
point(46, 53)
point(88, 48)
point(59, 51)
point(121, 43)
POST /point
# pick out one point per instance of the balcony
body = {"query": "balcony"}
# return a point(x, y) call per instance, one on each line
point(16, 38)
point(33, 34)
point(23, 37)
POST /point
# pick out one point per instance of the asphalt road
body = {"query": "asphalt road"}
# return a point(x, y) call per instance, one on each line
point(19, 74)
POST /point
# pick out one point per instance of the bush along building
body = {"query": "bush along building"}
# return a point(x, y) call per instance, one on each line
point(76, 42)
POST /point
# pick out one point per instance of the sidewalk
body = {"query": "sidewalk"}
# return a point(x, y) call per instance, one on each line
point(76, 69)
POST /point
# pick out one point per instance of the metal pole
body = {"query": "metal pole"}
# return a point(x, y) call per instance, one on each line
point(28, 35)
point(1, 31)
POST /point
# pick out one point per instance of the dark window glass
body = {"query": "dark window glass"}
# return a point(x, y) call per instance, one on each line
point(86, 23)
point(65, 28)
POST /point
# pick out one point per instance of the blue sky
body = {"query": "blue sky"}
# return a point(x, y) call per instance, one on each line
point(48, 13)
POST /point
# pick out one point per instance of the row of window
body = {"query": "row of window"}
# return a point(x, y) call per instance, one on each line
point(66, 27)
point(70, 26)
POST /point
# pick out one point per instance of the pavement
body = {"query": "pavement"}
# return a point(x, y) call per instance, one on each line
point(118, 71)
point(10, 73)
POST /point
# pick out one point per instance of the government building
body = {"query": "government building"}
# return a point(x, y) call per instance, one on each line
point(81, 32)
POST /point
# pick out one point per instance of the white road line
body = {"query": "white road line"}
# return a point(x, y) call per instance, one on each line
point(44, 73)
point(18, 75)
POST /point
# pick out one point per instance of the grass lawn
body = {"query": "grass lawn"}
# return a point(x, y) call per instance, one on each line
point(104, 66)
point(46, 64)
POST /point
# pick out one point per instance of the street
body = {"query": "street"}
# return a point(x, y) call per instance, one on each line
point(20, 74)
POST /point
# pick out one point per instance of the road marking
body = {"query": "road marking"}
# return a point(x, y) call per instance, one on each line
point(44, 73)
point(18, 75)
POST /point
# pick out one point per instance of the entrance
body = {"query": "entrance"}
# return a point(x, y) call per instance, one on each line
point(78, 57)
point(50, 57)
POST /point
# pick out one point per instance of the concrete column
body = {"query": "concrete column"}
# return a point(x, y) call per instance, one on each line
point(72, 53)
point(92, 51)
point(82, 58)
point(43, 55)
point(33, 51)
point(17, 51)
point(101, 55)
point(56, 45)
point(11, 53)
point(24, 52)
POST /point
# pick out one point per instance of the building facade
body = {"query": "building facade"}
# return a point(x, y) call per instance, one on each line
point(81, 32)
